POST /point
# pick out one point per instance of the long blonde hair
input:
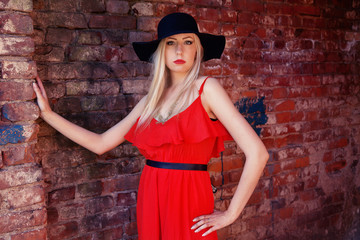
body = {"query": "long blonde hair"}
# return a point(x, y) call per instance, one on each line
point(160, 79)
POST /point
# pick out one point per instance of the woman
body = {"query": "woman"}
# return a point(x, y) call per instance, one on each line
point(178, 127)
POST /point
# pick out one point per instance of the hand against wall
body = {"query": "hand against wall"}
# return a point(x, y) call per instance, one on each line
point(42, 98)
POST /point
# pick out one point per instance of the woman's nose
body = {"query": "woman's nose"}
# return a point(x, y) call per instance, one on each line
point(178, 49)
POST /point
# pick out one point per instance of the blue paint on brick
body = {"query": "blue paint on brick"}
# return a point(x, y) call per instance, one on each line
point(5, 112)
point(11, 134)
point(253, 109)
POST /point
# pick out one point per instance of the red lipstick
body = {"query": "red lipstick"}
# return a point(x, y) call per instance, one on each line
point(179, 61)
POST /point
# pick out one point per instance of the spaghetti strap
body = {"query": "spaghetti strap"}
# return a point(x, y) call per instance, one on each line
point(202, 86)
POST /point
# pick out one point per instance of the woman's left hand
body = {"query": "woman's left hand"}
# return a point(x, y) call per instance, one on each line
point(214, 221)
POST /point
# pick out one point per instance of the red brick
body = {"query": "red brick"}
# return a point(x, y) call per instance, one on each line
point(66, 159)
point(19, 175)
point(52, 215)
point(286, 178)
point(104, 220)
point(63, 231)
point(16, 45)
point(100, 170)
point(283, 117)
point(20, 220)
point(112, 233)
point(285, 213)
point(62, 6)
point(188, 9)
point(308, 10)
point(311, 182)
point(291, 152)
point(99, 204)
point(68, 175)
point(116, 6)
point(302, 162)
point(228, 15)
point(250, 5)
point(335, 166)
point(25, 5)
point(249, 94)
point(16, 23)
point(339, 143)
point(279, 8)
point(90, 38)
point(255, 198)
point(279, 93)
point(272, 169)
point(131, 228)
point(288, 140)
point(328, 157)
point(206, 3)
point(66, 20)
point(23, 70)
point(126, 199)
point(18, 155)
point(32, 235)
point(212, 69)
point(60, 195)
point(92, 6)
point(247, 69)
point(228, 29)
point(95, 53)
point(122, 183)
point(90, 189)
point(147, 24)
point(21, 111)
point(15, 198)
point(143, 9)
point(210, 14)
point(286, 105)
point(115, 22)
point(92, 88)
point(59, 36)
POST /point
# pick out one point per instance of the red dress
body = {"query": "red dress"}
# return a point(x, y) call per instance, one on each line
point(168, 200)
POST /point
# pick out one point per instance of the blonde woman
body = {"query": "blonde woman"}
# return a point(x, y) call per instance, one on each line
point(178, 127)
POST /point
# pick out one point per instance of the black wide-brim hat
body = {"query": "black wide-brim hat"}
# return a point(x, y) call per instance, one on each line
point(177, 23)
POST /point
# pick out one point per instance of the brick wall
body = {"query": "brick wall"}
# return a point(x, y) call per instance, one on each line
point(290, 67)
point(22, 196)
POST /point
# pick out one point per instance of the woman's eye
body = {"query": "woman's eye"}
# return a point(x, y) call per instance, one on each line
point(170, 43)
point(188, 42)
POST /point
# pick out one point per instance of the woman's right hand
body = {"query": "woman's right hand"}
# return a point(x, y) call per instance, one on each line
point(42, 98)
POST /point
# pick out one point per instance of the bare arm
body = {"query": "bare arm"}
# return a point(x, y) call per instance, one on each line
point(218, 102)
point(97, 143)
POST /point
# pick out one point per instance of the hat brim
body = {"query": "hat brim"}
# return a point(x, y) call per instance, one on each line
point(213, 46)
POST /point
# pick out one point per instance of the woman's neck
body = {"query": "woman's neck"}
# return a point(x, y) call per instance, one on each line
point(176, 78)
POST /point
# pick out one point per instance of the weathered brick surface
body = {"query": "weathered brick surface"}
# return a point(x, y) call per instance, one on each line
point(22, 220)
point(20, 111)
point(16, 45)
point(33, 235)
point(16, 24)
point(22, 195)
point(26, 5)
point(290, 67)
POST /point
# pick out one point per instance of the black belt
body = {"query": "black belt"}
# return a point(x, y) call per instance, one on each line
point(177, 166)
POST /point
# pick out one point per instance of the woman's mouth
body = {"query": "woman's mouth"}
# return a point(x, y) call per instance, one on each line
point(179, 61)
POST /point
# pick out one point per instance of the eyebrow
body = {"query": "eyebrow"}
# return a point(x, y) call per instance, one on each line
point(182, 38)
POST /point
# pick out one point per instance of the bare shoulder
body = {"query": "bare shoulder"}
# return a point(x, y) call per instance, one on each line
point(209, 84)
point(213, 88)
